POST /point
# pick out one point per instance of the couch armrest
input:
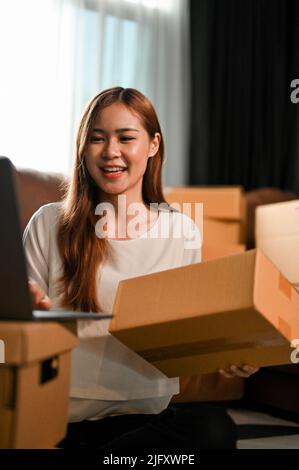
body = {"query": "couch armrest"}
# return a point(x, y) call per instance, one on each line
point(34, 189)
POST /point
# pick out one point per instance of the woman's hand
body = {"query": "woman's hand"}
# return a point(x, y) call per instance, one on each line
point(40, 300)
point(233, 371)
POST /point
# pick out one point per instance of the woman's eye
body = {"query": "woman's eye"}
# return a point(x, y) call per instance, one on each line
point(126, 139)
point(97, 139)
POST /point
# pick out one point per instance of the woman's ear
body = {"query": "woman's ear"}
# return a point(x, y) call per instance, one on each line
point(154, 145)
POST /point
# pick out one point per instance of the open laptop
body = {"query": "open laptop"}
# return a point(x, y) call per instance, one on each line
point(15, 297)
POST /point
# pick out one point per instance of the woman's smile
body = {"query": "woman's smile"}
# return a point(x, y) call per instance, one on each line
point(113, 172)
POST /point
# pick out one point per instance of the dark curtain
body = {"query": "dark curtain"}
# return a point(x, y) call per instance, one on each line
point(244, 127)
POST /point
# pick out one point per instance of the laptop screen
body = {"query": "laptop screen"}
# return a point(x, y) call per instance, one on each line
point(15, 302)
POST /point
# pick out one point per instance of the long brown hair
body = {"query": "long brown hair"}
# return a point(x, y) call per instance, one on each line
point(81, 251)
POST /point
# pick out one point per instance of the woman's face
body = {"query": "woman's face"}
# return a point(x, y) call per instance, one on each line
point(118, 150)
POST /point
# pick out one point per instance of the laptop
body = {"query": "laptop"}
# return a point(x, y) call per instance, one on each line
point(15, 297)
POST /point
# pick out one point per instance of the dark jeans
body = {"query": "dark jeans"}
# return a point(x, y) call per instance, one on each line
point(180, 427)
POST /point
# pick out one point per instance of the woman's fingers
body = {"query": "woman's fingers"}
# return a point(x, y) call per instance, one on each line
point(239, 372)
point(244, 371)
point(226, 374)
point(39, 299)
point(250, 369)
point(45, 303)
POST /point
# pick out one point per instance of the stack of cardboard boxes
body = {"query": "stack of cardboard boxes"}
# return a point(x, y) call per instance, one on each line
point(224, 216)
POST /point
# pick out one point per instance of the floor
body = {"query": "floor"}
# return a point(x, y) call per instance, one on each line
point(263, 431)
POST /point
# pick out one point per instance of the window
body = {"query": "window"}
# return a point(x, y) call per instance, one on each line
point(55, 55)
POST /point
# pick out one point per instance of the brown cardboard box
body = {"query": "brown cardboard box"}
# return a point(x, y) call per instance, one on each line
point(277, 234)
point(34, 383)
point(202, 317)
point(222, 232)
point(219, 202)
point(210, 252)
point(223, 211)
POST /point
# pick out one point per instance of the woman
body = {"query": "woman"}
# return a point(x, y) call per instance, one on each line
point(118, 400)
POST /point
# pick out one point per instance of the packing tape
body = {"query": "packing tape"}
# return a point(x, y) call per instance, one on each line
point(213, 346)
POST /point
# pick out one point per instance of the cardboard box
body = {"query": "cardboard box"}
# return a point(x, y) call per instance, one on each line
point(284, 253)
point(277, 220)
point(34, 383)
point(210, 252)
point(223, 211)
point(206, 316)
point(217, 232)
point(219, 202)
point(277, 234)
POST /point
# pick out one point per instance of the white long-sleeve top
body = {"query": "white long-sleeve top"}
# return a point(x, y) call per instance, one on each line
point(107, 378)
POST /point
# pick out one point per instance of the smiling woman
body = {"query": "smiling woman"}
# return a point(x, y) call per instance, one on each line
point(118, 401)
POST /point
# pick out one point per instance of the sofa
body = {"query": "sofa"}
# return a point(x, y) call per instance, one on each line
point(276, 387)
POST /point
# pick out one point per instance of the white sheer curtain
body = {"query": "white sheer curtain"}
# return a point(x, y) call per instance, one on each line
point(56, 54)
point(33, 117)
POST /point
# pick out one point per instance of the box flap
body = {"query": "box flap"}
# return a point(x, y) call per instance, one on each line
point(276, 298)
point(277, 220)
point(30, 341)
point(284, 254)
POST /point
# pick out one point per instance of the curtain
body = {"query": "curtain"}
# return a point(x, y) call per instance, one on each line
point(244, 125)
point(33, 115)
point(62, 52)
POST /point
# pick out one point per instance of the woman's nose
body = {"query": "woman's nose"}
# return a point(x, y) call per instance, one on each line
point(112, 148)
